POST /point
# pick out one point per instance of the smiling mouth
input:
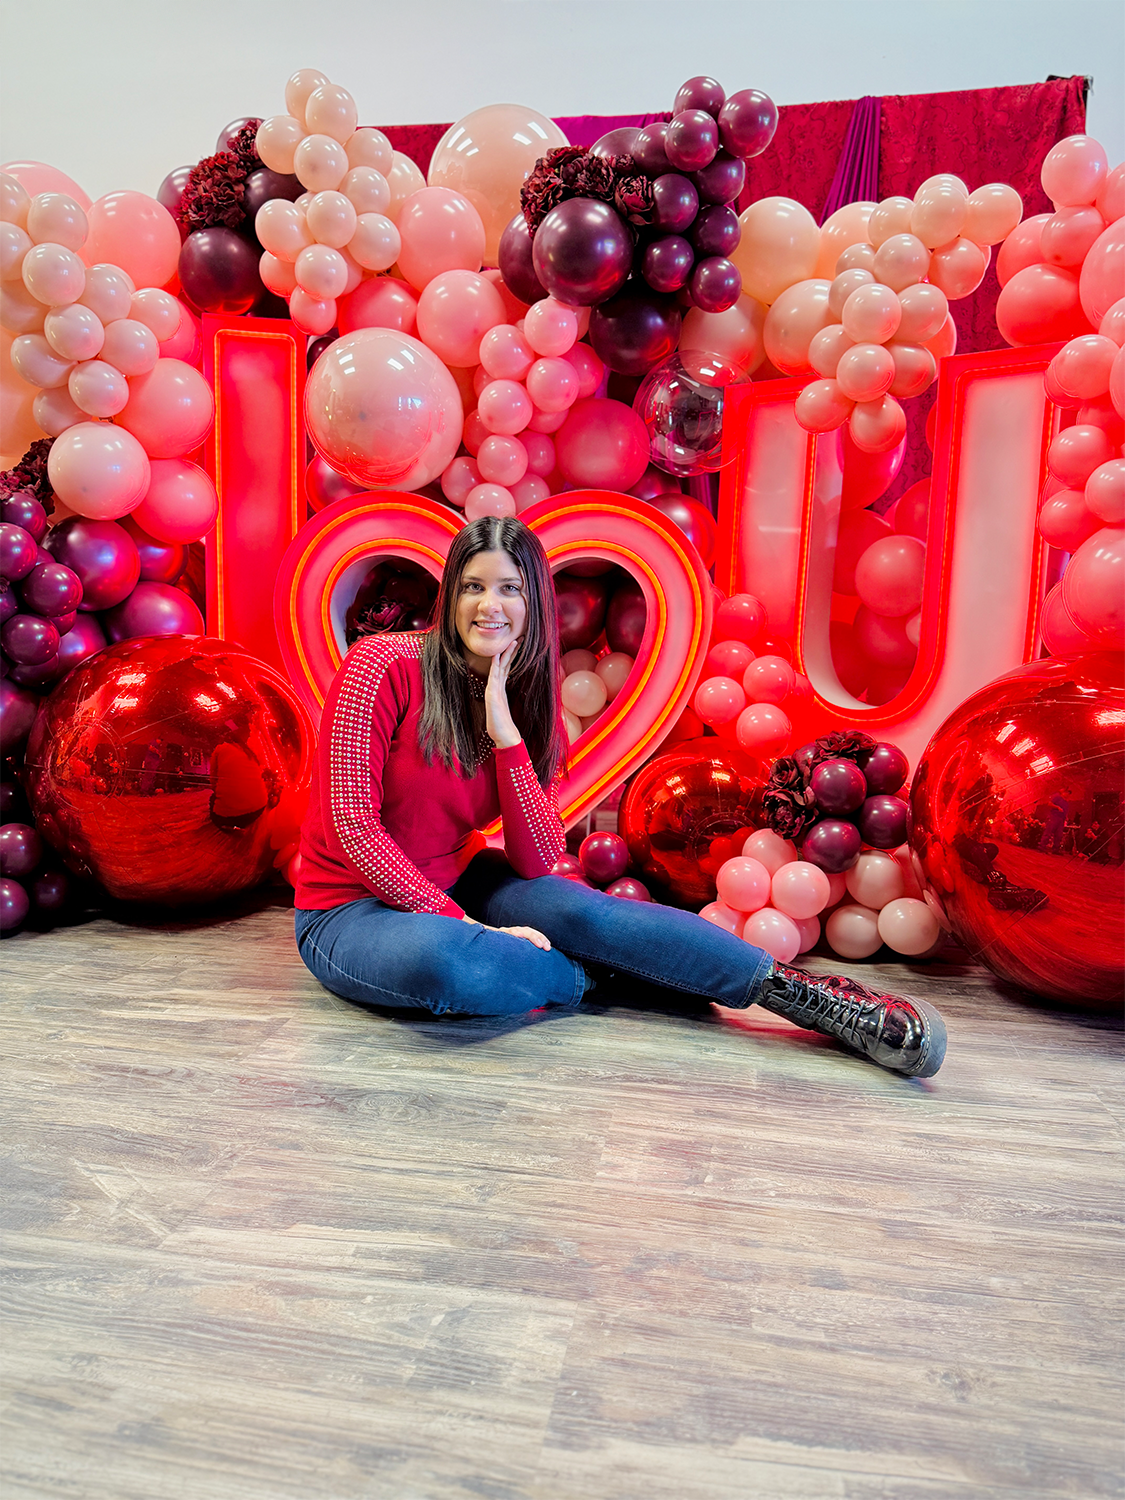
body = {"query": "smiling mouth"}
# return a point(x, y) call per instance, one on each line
point(490, 627)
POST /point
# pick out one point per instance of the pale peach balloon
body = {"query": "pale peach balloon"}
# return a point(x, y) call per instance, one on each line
point(98, 389)
point(321, 272)
point(20, 312)
point(19, 426)
point(441, 231)
point(35, 361)
point(108, 292)
point(376, 243)
point(872, 314)
point(14, 245)
point(796, 315)
point(853, 931)
point(99, 470)
point(1074, 170)
point(157, 310)
point(846, 227)
point(826, 347)
point(404, 180)
point(901, 261)
point(297, 90)
point(959, 268)
point(865, 372)
point(614, 669)
point(277, 140)
point(130, 346)
point(180, 503)
point(735, 335)
point(14, 201)
point(367, 190)
point(575, 731)
point(856, 258)
point(355, 272)
point(822, 406)
point(875, 878)
point(943, 180)
point(769, 849)
point(550, 327)
point(369, 147)
point(487, 155)
point(136, 233)
point(891, 216)
point(74, 332)
point(915, 369)
point(908, 926)
point(330, 110)
point(992, 213)
point(938, 214)
point(490, 500)
point(780, 245)
point(923, 309)
point(57, 219)
point(282, 229)
point(331, 219)
point(844, 285)
point(277, 275)
point(53, 275)
point(944, 342)
point(584, 693)
point(877, 426)
point(455, 311)
point(320, 163)
point(55, 411)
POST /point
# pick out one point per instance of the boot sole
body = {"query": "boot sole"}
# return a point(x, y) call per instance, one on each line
point(936, 1039)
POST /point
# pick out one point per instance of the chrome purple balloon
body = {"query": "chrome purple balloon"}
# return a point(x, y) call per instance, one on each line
point(18, 552)
point(582, 252)
point(21, 849)
point(22, 509)
point(51, 589)
point(263, 185)
point(721, 180)
point(882, 822)
point(838, 786)
point(14, 905)
point(604, 857)
point(18, 708)
point(692, 141)
point(832, 844)
point(84, 639)
point(649, 149)
point(29, 640)
point(716, 231)
point(161, 562)
point(886, 769)
point(747, 122)
point(700, 93)
point(716, 284)
point(219, 271)
point(667, 263)
point(675, 202)
point(619, 142)
point(104, 556)
point(635, 330)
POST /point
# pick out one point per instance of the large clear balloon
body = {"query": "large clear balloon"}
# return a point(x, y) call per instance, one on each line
point(681, 404)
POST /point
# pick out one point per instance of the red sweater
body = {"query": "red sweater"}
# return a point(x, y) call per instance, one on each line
point(381, 822)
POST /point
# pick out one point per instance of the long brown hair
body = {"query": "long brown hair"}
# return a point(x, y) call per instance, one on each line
point(445, 729)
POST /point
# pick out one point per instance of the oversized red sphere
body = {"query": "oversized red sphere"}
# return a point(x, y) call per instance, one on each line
point(172, 769)
point(1017, 822)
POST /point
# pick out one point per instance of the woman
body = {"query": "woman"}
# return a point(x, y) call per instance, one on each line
point(401, 906)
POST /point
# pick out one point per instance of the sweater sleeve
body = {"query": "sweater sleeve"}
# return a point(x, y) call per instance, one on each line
point(533, 831)
point(363, 720)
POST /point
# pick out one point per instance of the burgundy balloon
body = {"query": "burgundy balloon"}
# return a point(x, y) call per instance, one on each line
point(39, 677)
point(9, 603)
point(323, 484)
point(29, 640)
point(580, 604)
point(654, 482)
point(626, 617)
point(716, 231)
point(675, 202)
point(838, 786)
point(21, 849)
point(886, 769)
point(49, 891)
point(692, 140)
point(582, 251)
point(104, 556)
point(635, 330)
point(516, 262)
point(747, 122)
point(18, 552)
point(262, 185)
point(699, 93)
point(882, 822)
point(649, 149)
point(317, 347)
point(619, 142)
point(51, 589)
point(629, 889)
point(14, 905)
point(832, 844)
point(567, 864)
point(228, 132)
point(219, 271)
point(170, 193)
point(716, 284)
point(604, 857)
point(161, 562)
point(721, 180)
point(667, 263)
point(693, 519)
point(22, 509)
point(85, 639)
point(63, 623)
point(153, 609)
point(18, 708)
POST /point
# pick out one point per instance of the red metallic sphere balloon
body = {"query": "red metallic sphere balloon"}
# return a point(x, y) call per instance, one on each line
point(171, 769)
point(1017, 822)
point(686, 813)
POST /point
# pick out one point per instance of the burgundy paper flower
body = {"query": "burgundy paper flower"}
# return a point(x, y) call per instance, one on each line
point(788, 803)
point(31, 474)
point(843, 744)
point(633, 199)
point(214, 192)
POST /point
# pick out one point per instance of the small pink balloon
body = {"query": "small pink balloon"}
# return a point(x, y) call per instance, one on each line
point(890, 574)
point(320, 163)
point(136, 233)
point(993, 211)
point(891, 216)
point(1105, 492)
point(743, 884)
point(180, 503)
point(1065, 520)
point(958, 268)
point(1069, 234)
point(57, 218)
point(170, 409)
point(944, 341)
point(376, 243)
point(108, 293)
point(53, 275)
point(130, 346)
point(1103, 273)
point(546, 421)
point(277, 139)
point(382, 302)
point(1110, 202)
point(441, 231)
point(1082, 368)
point(939, 214)
point(883, 639)
point(719, 700)
point(501, 460)
point(826, 347)
point(809, 928)
point(1074, 170)
point(98, 470)
point(330, 110)
point(584, 693)
point(54, 411)
point(602, 444)
point(98, 388)
point(915, 370)
point(540, 453)
point(550, 327)
point(763, 730)
point(157, 310)
point(35, 361)
point(770, 849)
point(74, 332)
point(865, 372)
point(312, 315)
point(1060, 632)
point(908, 926)
point(504, 407)
point(552, 384)
point(14, 245)
point(455, 311)
point(614, 669)
point(775, 933)
point(853, 931)
point(367, 190)
point(924, 311)
point(459, 479)
point(797, 315)
point(331, 218)
point(822, 405)
point(877, 426)
point(1076, 452)
point(281, 229)
point(489, 500)
point(901, 261)
point(321, 272)
point(874, 879)
point(768, 679)
point(529, 491)
point(719, 914)
point(1093, 587)
point(505, 354)
point(800, 889)
point(871, 315)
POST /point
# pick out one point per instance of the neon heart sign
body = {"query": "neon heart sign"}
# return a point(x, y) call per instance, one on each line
point(325, 562)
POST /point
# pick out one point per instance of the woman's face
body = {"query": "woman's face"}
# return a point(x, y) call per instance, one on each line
point(491, 607)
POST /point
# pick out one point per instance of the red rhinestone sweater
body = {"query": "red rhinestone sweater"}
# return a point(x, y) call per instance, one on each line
point(381, 822)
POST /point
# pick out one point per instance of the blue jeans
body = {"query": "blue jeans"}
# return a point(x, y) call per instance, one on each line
point(395, 960)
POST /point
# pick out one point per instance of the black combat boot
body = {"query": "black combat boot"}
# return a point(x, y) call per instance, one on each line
point(905, 1035)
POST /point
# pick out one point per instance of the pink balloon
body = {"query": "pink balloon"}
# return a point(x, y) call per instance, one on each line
point(614, 670)
point(459, 478)
point(743, 884)
point(170, 409)
point(768, 679)
point(35, 361)
point(993, 212)
point(809, 928)
point(441, 231)
point(871, 315)
point(915, 370)
point(540, 451)
point(136, 233)
point(1105, 492)
point(502, 460)
point(877, 426)
point(944, 341)
point(1103, 273)
point(546, 421)
point(775, 933)
point(939, 213)
point(529, 491)
point(313, 315)
point(323, 486)
point(550, 327)
point(798, 313)
point(157, 310)
point(800, 889)
point(1082, 368)
point(97, 388)
point(958, 269)
point(130, 346)
point(884, 639)
point(924, 310)
point(180, 503)
point(504, 407)
point(505, 354)
point(719, 700)
point(489, 500)
point(376, 243)
point(1110, 202)
point(552, 384)
point(853, 931)
point(763, 730)
point(822, 406)
point(1112, 325)
point(826, 347)
point(845, 283)
point(55, 411)
point(1065, 520)
point(321, 272)
point(37, 177)
point(602, 444)
point(890, 574)
point(382, 302)
point(1040, 304)
point(1061, 634)
point(57, 218)
point(1076, 452)
point(108, 293)
point(1068, 235)
point(891, 216)
point(865, 372)
point(901, 261)
point(1117, 383)
point(367, 190)
point(320, 163)
point(875, 878)
point(53, 275)
point(455, 310)
point(98, 470)
point(719, 914)
point(858, 529)
point(908, 926)
point(769, 849)
point(1094, 587)
point(1074, 170)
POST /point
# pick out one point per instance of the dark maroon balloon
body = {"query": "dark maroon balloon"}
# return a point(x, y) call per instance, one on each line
point(51, 588)
point(747, 122)
point(161, 562)
point(29, 640)
point(629, 889)
point(716, 284)
point(635, 330)
point(649, 149)
point(699, 93)
point(832, 844)
point(170, 193)
point(838, 786)
point(21, 849)
point(269, 305)
point(153, 609)
point(85, 639)
point(722, 180)
point(626, 617)
point(716, 231)
point(516, 263)
point(104, 556)
point(667, 263)
point(567, 864)
point(693, 519)
point(675, 202)
point(228, 132)
point(49, 891)
point(882, 821)
point(323, 485)
point(692, 140)
point(63, 623)
point(804, 754)
point(886, 769)
point(262, 185)
point(22, 509)
point(654, 482)
point(219, 271)
point(18, 708)
point(45, 675)
point(14, 905)
point(9, 603)
point(18, 552)
point(580, 605)
point(583, 251)
point(317, 347)
point(619, 142)
point(604, 857)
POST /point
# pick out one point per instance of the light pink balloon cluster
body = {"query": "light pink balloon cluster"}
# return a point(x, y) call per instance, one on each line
point(744, 693)
point(112, 361)
point(590, 684)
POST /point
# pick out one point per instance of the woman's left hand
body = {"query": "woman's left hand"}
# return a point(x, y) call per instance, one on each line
point(498, 719)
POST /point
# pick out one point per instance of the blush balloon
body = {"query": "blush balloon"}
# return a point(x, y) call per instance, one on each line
point(773, 932)
point(743, 884)
point(603, 444)
point(800, 890)
point(180, 503)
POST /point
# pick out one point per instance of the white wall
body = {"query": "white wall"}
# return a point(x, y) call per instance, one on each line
point(118, 92)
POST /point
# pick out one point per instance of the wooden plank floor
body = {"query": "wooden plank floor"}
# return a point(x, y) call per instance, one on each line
point(264, 1245)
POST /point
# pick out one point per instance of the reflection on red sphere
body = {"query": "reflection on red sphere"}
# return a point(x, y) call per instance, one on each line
point(686, 813)
point(171, 769)
point(1017, 822)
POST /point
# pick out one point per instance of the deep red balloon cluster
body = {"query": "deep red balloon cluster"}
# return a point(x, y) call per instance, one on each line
point(602, 861)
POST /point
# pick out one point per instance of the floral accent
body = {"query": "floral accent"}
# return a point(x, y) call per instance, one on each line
point(789, 806)
point(844, 744)
point(571, 172)
point(215, 189)
point(633, 200)
point(31, 474)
